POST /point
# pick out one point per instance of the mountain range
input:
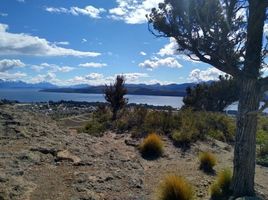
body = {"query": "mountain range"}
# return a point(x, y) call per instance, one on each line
point(135, 89)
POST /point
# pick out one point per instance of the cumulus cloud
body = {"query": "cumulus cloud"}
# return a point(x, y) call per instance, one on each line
point(7, 64)
point(94, 76)
point(52, 68)
point(134, 77)
point(100, 79)
point(133, 11)
point(209, 74)
point(93, 64)
point(157, 62)
point(169, 49)
point(89, 11)
point(23, 44)
point(12, 76)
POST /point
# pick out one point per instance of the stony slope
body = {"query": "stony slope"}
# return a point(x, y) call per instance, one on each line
point(41, 160)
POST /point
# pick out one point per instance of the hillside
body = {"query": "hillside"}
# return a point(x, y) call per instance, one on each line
point(46, 159)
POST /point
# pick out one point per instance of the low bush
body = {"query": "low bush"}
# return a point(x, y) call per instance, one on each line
point(262, 141)
point(207, 161)
point(175, 188)
point(94, 128)
point(220, 189)
point(152, 146)
point(181, 138)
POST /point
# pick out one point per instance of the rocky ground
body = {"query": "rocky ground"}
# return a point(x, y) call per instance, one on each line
point(41, 158)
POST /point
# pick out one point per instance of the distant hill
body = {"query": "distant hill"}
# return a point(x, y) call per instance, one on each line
point(135, 89)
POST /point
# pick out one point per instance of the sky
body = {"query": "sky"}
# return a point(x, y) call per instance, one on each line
point(89, 42)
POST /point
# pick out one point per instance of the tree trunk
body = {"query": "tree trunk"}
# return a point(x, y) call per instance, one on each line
point(114, 114)
point(249, 100)
point(245, 141)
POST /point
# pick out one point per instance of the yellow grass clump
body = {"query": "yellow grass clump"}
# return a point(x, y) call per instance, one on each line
point(175, 187)
point(152, 146)
point(207, 161)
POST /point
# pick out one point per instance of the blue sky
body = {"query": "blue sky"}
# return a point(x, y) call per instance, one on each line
point(90, 41)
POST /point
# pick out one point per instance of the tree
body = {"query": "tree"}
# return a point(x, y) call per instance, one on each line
point(227, 34)
point(114, 95)
point(214, 96)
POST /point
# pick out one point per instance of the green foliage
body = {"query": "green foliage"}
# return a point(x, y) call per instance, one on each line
point(220, 189)
point(152, 146)
point(175, 188)
point(94, 128)
point(262, 141)
point(207, 161)
point(213, 96)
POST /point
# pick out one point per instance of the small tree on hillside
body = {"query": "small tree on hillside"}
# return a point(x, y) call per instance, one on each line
point(114, 95)
point(213, 96)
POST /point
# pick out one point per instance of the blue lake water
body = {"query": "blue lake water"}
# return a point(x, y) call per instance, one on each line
point(33, 95)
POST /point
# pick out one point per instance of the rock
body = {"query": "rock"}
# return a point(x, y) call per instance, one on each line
point(131, 142)
point(45, 150)
point(66, 155)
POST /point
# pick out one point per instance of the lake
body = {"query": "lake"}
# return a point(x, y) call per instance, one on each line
point(33, 95)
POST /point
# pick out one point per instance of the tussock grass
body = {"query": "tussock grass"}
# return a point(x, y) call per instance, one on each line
point(174, 187)
point(152, 146)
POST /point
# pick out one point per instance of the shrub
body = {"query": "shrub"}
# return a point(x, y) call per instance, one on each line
point(220, 190)
point(94, 128)
point(207, 161)
point(152, 146)
point(181, 137)
point(175, 188)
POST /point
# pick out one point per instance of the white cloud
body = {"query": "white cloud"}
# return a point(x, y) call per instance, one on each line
point(133, 11)
point(209, 74)
point(12, 76)
point(3, 14)
point(143, 53)
point(7, 64)
point(53, 68)
point(93, 64)
point(84, 40)
point(62, 43)
point(23, 44)
point(94, 76)
point(21, 1)
point(157, 62)
point(89, 11)
point(169, 49)
point(100, 79)
point(134, 77)
point(49, 77)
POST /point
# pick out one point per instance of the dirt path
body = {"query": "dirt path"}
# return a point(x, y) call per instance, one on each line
point(39, 160)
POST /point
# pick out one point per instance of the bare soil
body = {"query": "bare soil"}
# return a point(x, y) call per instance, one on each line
point(43, 159)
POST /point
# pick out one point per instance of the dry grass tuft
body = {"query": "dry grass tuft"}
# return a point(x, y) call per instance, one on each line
point(175, 188)
point(152, 146)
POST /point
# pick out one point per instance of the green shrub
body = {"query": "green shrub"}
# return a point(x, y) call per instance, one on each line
point(175, 188)
point(94, 128)
point(181, 138)
point(207, 161)
point(152, 146)
point(220, 189)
